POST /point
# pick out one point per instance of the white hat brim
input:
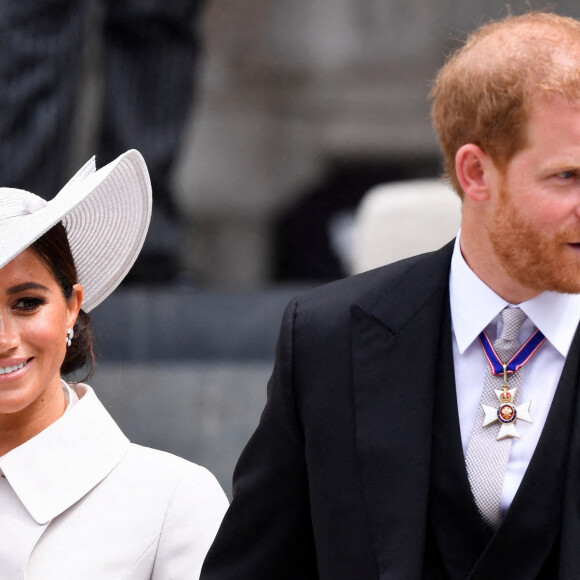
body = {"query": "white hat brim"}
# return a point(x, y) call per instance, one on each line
point(106, 214)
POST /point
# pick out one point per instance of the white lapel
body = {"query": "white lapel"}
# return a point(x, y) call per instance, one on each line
point(52, 471)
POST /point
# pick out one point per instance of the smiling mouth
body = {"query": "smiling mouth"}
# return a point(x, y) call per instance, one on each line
point(6, 370)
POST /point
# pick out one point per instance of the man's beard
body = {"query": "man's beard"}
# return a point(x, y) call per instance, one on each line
point(536, 260)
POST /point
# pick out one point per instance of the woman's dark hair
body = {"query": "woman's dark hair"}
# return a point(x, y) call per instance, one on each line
point(54, 250)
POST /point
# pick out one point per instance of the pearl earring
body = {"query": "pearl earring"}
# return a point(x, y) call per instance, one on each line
point(69, 336)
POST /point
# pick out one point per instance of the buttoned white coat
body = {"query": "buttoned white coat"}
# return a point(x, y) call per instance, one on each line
point(80, 502)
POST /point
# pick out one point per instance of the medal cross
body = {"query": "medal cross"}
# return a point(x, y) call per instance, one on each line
point(507, 414)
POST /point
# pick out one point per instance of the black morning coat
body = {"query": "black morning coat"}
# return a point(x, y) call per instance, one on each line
point(356, 470)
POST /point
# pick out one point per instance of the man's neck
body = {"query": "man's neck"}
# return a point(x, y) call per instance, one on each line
point(481, 259)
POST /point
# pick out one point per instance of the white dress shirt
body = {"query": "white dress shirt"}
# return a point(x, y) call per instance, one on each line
point(476, 307)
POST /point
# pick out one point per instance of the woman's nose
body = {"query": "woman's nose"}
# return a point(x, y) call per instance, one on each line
point(8, 336)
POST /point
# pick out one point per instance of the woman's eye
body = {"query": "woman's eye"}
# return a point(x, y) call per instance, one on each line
point(29, 303)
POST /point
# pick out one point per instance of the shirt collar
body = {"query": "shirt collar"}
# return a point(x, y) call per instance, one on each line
point(70, 396)
point(474, 305)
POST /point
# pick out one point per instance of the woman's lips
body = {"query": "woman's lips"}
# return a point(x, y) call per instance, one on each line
point(9, 367)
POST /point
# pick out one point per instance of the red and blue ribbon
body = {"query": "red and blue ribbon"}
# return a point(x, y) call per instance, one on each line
point(518, 360)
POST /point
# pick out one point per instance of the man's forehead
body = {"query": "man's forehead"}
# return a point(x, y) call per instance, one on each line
point(542, 49)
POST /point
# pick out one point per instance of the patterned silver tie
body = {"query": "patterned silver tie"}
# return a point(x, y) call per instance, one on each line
point(486, 457)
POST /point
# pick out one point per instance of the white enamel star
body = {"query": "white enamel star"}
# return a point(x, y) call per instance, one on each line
point(507, 429)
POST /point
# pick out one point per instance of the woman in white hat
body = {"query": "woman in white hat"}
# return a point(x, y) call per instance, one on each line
point(77, 499)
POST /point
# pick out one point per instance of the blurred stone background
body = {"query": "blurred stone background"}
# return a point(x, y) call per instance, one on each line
point(302, 106)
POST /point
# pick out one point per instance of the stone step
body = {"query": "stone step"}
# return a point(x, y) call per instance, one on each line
point(183, 324)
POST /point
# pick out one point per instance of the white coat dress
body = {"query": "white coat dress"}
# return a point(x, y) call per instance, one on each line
point(81, 502)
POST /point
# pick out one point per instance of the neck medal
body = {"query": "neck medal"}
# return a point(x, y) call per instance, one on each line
point(506, 412)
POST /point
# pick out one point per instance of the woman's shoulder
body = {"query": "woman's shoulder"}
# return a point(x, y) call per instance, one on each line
point(156, 458)
point(158, 468)
point(135, 461)
point(135, 471)
point(193, 503)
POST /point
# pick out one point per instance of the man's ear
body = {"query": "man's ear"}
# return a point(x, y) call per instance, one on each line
point(473, 167)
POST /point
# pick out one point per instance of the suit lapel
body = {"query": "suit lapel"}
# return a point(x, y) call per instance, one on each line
point(395, 348)
point(458, 534)
point(569, 555)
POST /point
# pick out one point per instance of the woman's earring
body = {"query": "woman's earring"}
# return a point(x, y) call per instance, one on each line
point(69, 336)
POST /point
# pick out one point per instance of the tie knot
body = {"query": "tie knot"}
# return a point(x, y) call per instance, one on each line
point(508, 342)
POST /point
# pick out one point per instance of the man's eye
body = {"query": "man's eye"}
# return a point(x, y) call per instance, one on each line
point(29, 303)
point(566, 175)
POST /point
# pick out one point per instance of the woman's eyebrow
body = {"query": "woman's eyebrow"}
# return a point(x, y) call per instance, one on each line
point(25, 286)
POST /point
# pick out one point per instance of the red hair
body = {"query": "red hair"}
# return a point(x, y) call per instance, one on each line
point(483, 94)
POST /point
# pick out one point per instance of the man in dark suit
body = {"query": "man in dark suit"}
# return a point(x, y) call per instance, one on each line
point(407, 432)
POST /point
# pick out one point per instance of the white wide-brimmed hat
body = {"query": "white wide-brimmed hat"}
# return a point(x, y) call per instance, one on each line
point(106, 214)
